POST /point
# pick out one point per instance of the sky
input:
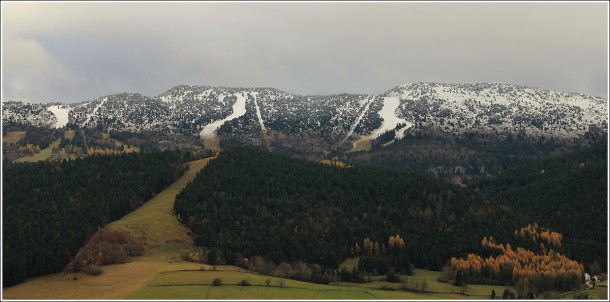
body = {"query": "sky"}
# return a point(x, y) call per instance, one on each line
point(79, 51)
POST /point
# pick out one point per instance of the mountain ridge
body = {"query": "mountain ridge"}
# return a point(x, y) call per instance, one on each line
point(332, 120)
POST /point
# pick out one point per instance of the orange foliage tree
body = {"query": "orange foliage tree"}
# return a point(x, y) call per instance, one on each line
point(547, 270)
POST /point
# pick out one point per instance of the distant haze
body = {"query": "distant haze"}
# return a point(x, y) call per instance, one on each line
point(80, 51)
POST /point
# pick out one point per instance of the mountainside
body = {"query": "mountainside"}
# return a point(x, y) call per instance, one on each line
point(254, 202)
point(322, 123)
point(500, 107)
point(315, 212)
point(568, 194)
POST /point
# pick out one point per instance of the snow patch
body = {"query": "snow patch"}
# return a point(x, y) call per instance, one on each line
point(239, 109)
point(390, 119)
point(61, 114)
point(258, 111)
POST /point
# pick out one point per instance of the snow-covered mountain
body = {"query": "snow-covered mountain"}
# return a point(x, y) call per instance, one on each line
point(246, 115)
point(501, 107)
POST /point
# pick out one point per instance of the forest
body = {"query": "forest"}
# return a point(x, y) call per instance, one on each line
point(568, 194)
point(257, 203)
point(473, 155)
point(50, 209)
point(250, 202)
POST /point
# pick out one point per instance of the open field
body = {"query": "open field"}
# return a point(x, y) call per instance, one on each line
point(154, 222)
point(13, 137)
point(433, 287)
point(43, 155)
point(599, 292)
point(198, 285)
point(362, 144)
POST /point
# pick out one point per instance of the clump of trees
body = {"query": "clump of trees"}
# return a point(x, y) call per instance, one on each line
point(544, 270)
point(380, 259)
point(103, 248)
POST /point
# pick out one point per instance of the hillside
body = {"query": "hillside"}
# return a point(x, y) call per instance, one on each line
point(317, 212)
point(329, 122)
point(51, 209)
point(568, 194)
point(258, 203)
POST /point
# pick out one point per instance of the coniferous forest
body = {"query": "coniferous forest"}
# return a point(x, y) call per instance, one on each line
point(568, 194)
point(258, 203)
point(249, 202)
point(51, 209)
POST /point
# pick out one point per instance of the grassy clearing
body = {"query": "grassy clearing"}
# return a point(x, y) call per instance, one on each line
point(206, 277)
point(127, 148)
point(211, 143)
point(154, 222)
point(599, 292)
point(245, 292)
point(116, 282)
point(360, 145)
point(12, 137)
point(349, 263)
point(434, 289)
point(198, 285)
point(69, 134)
point(43, 155)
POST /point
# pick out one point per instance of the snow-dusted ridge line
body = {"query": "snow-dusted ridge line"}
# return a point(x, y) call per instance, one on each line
point(335, 119)
point(239, 109)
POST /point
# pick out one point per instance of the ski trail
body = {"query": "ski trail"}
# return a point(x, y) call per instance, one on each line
point(351, 130)
point(239, 109)
point(94, 112)
point(61, 114)
point(264, 132)
point(258, 112)
point(390, 119)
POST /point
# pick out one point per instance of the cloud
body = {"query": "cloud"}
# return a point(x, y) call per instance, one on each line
point(305, 48)
point(34, 73)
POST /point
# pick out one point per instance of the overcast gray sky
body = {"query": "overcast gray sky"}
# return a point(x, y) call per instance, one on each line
point(80, 51)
